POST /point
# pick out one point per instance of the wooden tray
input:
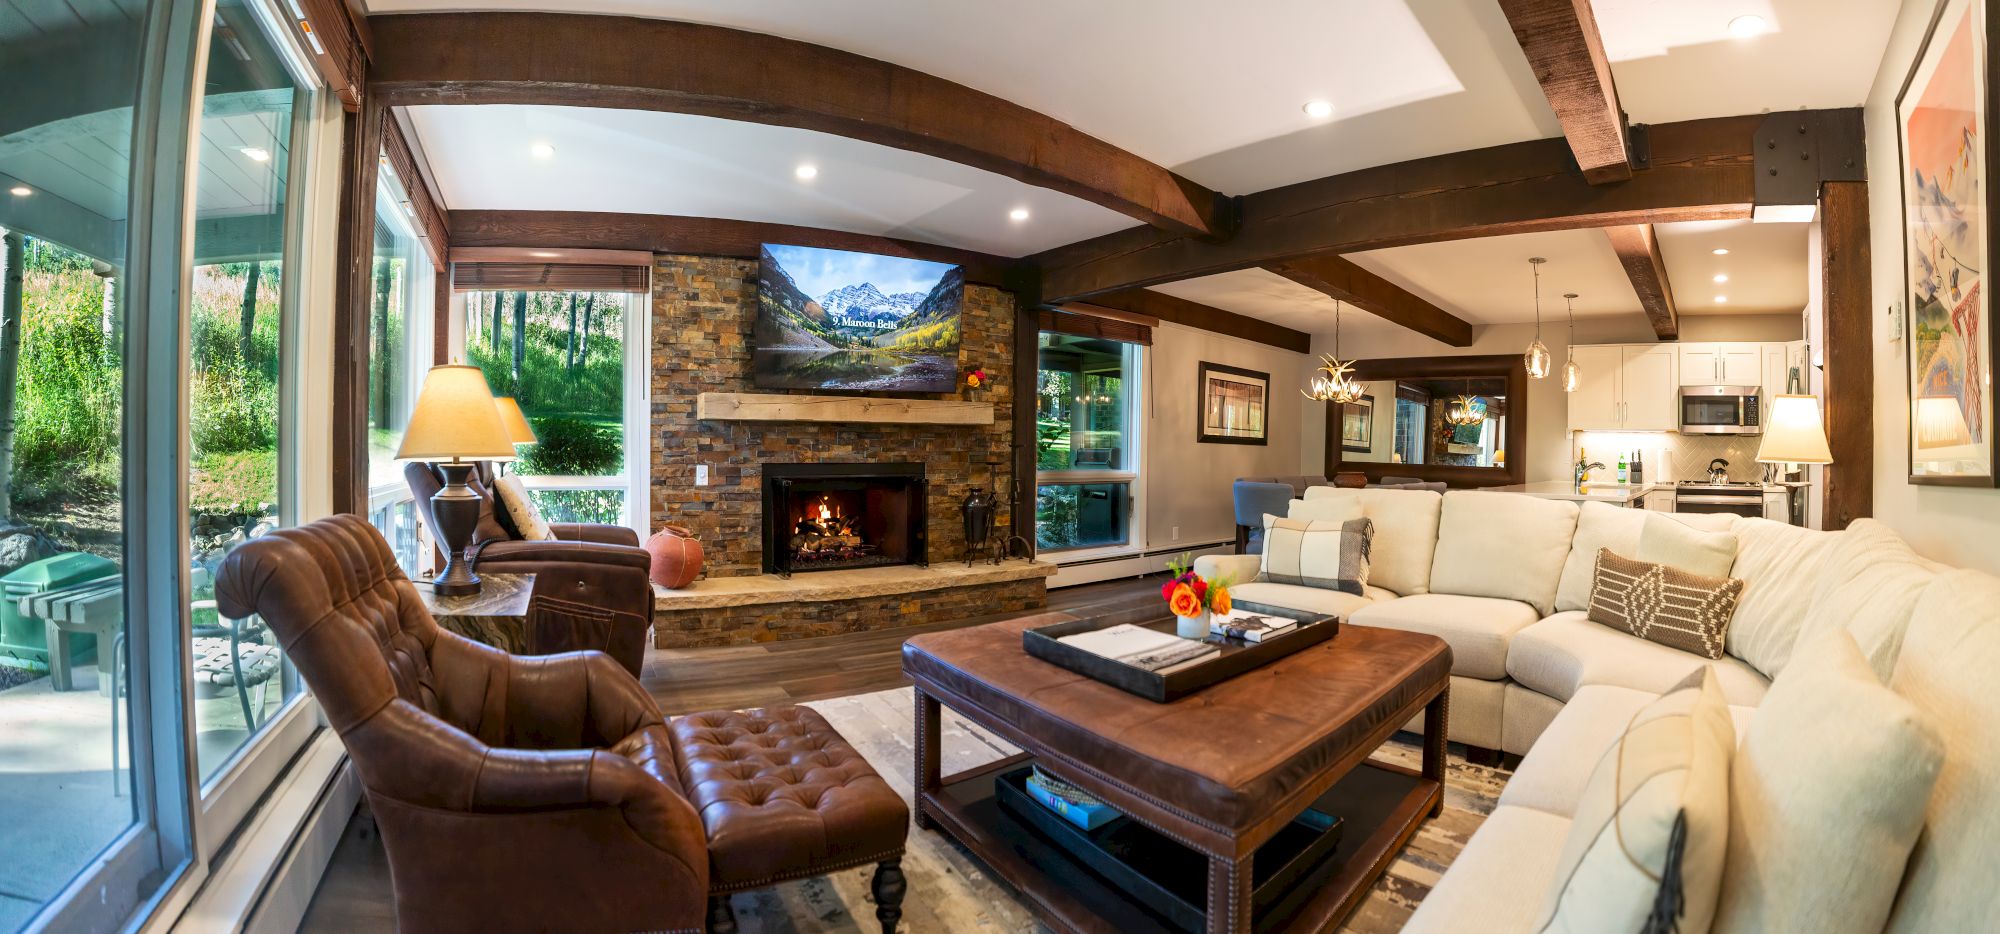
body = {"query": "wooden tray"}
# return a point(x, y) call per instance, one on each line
point(1237, 657)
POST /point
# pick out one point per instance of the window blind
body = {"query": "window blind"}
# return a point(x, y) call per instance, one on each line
point(1062, 322)
point(548, 277)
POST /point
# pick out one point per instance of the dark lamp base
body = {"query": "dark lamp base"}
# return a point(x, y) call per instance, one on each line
point(456, 508)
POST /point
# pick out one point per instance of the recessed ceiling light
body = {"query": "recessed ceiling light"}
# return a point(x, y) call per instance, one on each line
point(1719, 277)
point(544, 254)
point(256, 153)
point(1318, 110)
point(1748, 26)
point(1017, 215)
point(1720, 251)
point(806, 172)
point(1722, 299)
point(20, 191)
point(542, 151)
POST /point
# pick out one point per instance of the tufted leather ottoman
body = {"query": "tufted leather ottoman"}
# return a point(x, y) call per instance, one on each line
point(783, 796)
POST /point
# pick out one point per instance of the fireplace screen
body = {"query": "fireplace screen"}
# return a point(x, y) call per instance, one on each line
point(819, 517)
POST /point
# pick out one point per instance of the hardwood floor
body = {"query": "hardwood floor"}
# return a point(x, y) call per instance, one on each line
point(354, 894)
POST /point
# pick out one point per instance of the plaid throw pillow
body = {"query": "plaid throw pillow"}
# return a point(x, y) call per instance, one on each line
point(1663, 604)
point(1324, 553)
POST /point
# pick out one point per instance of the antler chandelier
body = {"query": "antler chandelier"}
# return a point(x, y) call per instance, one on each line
point(1464, 411)
point(1333, 381)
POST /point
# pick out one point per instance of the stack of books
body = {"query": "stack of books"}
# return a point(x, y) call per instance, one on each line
point(1249, 627)
point(1073, 803)
point(1143, 648)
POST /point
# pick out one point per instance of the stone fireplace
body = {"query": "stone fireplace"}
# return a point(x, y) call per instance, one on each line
point(825, 517)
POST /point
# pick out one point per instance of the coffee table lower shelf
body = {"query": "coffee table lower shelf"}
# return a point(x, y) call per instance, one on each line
point(1382, 806)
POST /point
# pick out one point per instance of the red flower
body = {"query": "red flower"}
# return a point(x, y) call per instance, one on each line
point(1167, 589)
point(1200, 588)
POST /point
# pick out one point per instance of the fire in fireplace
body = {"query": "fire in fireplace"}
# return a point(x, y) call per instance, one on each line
point(819, 517)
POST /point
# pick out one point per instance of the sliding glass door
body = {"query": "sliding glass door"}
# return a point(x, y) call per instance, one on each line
point(401, 293)
point(1086, 445)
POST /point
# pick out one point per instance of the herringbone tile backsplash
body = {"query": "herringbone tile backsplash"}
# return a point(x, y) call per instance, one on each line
point(1670, 457)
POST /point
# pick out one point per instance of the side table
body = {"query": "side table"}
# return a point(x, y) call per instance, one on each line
point(497, 615)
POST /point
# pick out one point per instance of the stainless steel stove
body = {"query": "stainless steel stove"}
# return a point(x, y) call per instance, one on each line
point(1739, 498)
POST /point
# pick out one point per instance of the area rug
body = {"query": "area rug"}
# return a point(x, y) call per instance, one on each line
point(951, 891)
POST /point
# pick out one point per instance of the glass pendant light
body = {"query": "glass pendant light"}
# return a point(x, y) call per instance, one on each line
point(1537, 356)
point(1333, 381)
point(1572, 374)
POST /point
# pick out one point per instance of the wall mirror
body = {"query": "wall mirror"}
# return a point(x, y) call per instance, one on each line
point(1462, 420)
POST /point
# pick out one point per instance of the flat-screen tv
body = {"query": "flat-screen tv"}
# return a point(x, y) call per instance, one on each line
point(832, 319)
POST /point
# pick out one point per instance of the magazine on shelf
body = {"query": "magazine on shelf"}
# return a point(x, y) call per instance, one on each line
point(1143, 648)
point(1248, 626)
point(1073, 803)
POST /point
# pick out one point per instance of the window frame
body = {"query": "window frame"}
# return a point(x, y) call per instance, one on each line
point(1132, 476)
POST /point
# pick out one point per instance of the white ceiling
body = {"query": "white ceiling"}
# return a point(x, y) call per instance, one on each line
point(659, 163)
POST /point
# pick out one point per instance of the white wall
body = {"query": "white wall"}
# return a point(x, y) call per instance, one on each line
point(1957, 526)
point(1548, 405)
point(1188, 484)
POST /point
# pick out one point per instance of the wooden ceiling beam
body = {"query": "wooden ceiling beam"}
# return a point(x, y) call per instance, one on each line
point(1339, 278)
point(660, 65)
point(1193, 314)
point(1561, 41)
point(1638, 249)
point(702, 236)
point(1699, 170)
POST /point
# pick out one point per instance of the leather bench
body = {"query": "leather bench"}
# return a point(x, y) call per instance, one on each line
point(782, 795)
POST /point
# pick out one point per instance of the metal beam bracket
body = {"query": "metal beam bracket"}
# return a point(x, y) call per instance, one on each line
point(1796, 151)
point(1639, 143)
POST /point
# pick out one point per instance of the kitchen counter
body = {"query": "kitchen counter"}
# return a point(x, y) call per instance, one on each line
point(1617, 494)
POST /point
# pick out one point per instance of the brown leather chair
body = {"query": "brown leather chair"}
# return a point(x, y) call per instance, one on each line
point(513, 793)
point(592, 589)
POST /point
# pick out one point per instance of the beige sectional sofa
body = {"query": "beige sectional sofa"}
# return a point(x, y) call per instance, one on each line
point(1503, 578)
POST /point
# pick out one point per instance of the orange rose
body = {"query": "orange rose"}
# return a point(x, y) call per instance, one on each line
point(1184, 602)
point(1219, 600)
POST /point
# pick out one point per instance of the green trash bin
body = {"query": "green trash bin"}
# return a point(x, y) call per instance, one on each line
point(24, 640)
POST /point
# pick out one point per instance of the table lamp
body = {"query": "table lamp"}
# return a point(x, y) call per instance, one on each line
point(515, 421)
point(1794, 433)
point(455, 422)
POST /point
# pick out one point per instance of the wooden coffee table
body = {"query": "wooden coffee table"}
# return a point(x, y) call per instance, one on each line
point(1220, 771)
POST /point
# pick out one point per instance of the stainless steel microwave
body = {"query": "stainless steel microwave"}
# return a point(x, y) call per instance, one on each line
point(1721, 410)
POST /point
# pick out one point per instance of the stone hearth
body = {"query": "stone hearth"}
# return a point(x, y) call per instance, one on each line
point(768, 608)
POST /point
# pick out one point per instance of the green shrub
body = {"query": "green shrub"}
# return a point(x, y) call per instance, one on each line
point(572, 447)
point(231, 410)
point(605, 507)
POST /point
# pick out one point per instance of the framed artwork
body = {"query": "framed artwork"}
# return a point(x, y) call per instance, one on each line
point(1233, 404)
point(1945, 147)
point(1357, 425)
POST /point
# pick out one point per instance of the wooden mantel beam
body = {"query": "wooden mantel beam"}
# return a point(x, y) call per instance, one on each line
point(1638, 249)
point(1339, 278)
point(1564, 48)
point(1699, 170)
point(632, 63)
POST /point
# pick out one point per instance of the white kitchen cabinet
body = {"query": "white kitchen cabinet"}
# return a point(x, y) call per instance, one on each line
point(1649, 388)
point(1776, 505)
point(1660, 501)
point(1626, 387)
point(1727, 363)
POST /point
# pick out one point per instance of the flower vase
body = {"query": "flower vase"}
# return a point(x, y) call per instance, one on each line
point(1192, 627)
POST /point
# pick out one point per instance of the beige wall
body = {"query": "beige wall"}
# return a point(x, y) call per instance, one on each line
point(1957, 526)
point(1548, 405)
point(1382, 444)
point(1188, 484)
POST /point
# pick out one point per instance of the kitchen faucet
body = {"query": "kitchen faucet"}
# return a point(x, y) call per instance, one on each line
point(1584, 468)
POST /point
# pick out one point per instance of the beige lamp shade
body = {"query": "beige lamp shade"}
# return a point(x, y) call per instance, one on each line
point(515, 421)
point(455, 417)
point(1794, 433)
point(1940, 423)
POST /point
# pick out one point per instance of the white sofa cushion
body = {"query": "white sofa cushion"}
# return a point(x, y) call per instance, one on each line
point(1311, 599)
point(1561, 655)
point(1406, 531)
point(1476, 628)
point(1552, 775)
point(1678, 545)
point(1779, 566)
point(1491, 885)
point(1948, 668)
point(1337, 508)
point(1602, 525)
point(1672, 761)
point(1868, 585)
point(1826, 797)
point(1502, 545)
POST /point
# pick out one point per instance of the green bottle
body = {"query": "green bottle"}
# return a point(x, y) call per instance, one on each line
point(1624, 468)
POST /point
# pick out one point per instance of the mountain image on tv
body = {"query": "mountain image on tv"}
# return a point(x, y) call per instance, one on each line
point(833, 319)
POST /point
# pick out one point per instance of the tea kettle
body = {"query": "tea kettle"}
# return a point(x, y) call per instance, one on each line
point(1718, 471)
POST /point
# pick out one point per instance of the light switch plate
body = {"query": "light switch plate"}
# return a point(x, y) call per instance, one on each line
point(701, 475)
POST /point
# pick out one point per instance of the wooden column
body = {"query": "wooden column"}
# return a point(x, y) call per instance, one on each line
point(1847, 303)
point(441, 318)
point(361, 148)
point(1026, 289)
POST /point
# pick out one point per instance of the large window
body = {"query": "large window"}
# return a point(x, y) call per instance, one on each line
point(1086, 452)
point(145, 426)
point(563, 356)
point(401, 293)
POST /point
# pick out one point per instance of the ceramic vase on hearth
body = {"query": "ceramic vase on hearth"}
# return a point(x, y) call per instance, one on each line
point(1192, 627)
point(676, 557)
